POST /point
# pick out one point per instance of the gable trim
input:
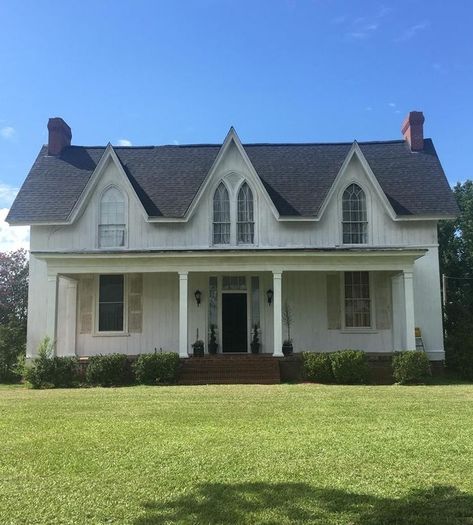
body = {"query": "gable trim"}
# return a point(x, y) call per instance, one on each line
point(86, 195)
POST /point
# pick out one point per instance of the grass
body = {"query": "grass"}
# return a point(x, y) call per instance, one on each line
point(237, 454)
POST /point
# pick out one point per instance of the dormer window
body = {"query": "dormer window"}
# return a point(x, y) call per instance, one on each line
point(354, 216)
point(245, 219)
point(221, 215)
point(112, 226)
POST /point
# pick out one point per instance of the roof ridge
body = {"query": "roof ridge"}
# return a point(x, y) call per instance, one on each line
point(250, 144)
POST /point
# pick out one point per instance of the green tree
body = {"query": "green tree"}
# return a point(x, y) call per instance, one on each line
point(456, 263)
point(13, 312)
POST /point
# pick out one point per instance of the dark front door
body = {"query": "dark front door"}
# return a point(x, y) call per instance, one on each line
point(234, 322)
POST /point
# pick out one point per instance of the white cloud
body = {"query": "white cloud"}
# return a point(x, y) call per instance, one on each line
point(124, 142)
point(7, 194)
point(368, 108)
point(392, 104)
point(7, 132)
point(412, 31)
point(12, 237)
point(175, 142)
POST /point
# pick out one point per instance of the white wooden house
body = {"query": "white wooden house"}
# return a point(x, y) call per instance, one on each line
point(137, 248)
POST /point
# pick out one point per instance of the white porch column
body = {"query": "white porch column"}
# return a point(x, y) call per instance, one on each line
point(183, 278)
point(51, 307)
point(410, 338)
point(277, 314)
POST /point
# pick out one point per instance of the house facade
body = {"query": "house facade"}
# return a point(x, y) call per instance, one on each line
point(137, 248)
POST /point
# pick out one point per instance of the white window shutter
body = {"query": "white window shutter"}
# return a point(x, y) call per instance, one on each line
point(333, 302)
point(382, 299)
point(86, 300)
point(135, 303)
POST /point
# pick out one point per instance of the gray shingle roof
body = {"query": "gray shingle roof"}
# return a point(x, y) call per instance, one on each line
point(296, 176)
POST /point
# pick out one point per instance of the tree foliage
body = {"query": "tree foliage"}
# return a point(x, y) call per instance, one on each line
point(456, 263)
point(13, 312)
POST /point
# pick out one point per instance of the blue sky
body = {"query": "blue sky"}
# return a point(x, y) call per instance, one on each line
point(163, 72)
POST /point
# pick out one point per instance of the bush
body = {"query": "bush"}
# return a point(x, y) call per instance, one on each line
point(411, 367)
point(12, 352)
point(459, 353)
point(48, 371)
point(349, 367)
point(108, 370)
point(157, 369)
point(318, 367)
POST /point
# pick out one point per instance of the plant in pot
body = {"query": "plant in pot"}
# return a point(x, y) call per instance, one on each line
point(255, 344)
point(198, 346)
point(287, 318)
point(213, 345)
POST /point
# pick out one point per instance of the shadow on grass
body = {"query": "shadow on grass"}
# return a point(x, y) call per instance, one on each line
point(278, 503)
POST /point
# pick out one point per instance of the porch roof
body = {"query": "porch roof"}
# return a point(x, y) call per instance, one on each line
point(232, 260)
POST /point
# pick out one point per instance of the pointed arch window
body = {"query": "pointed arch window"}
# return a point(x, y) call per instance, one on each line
point(245, 218)
point(354, 216)
point(221, 215)
point(112, 225)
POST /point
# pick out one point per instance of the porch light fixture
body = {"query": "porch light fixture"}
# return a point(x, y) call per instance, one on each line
point(198, 297)
point(269, 295)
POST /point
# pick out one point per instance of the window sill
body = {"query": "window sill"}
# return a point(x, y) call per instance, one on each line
point(358, 331)
point(111, 334)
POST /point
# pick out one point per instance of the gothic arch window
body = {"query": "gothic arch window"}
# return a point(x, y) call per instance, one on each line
point(112, 220)
point(221, 215)
point(354, 216)
point(245, 216)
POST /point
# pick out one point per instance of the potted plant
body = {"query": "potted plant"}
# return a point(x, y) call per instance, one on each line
point(213, 345)
point(198, 346)
point(287, 318)
point(255, 344)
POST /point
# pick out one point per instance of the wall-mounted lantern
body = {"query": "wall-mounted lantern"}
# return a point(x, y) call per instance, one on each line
point(198, 297)
point(269, 295)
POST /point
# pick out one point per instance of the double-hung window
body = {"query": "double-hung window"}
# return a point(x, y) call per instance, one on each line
point(112, 227)
point(354, 216)
point(221, 215)
point(357, 300)
point(111, 303)
point(245, 222)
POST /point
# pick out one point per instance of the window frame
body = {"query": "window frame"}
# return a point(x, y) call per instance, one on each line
point(357, 329)
point(367, 211)
point(221, 183)
point(110, 333)
point(99, 218)
point(237, 212)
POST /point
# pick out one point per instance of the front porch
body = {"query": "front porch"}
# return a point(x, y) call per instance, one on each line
point(171, 299)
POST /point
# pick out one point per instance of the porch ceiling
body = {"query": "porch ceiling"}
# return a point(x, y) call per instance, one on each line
point(208, 260)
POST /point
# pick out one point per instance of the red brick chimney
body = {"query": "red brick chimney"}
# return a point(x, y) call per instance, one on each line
point(413, 130)
point(60, 136)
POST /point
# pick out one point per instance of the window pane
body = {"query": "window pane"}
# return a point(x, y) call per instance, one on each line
point(354, 216)
point(112, 219)
point(111, 302)
point(221, 216)
point(212, 301)
point(245, 219)
point(255, 312)
point(357, 300)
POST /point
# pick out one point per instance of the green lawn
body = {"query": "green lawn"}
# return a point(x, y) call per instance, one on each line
point(237, 454)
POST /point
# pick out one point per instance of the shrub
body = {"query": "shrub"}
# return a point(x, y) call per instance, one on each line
point(317, 367)
point(411, 367)
point(108, 370)
point(157, 369)
point(349, 367)
point(48, 371)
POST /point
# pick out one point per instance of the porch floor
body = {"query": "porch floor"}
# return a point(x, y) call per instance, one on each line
point(230, 369)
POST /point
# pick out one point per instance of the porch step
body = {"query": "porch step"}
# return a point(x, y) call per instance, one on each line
point(230, 369)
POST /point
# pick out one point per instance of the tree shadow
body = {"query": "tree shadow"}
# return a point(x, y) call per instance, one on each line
point(279, 503)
